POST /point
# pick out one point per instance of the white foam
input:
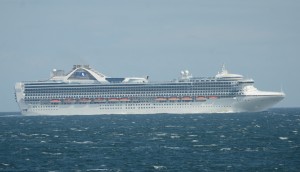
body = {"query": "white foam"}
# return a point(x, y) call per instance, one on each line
point(118, 134)
point(49, 153)
point(175, 137)
point(283, 138)
point(251, 150)
point(225, 149)
point(193, 135)
point(211, 145)
point(75, 129)
point(173, 148)
point(159, 167)
point(161, 134)
point(174, 126)
point(84, 142)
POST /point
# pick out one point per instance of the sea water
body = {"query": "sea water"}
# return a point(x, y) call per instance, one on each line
point(264, 141)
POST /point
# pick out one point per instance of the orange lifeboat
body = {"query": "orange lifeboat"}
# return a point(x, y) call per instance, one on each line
point(201, 98)
point(187, 98)
point(173, 99)
point(160, 99)
point(99, 100)
point(124, 100)
point(213, 97)
point(55, 101)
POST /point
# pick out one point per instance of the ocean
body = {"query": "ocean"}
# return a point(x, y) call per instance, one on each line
point(263, 141)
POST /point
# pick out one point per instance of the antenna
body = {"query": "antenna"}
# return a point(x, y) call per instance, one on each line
point(223, 67)
point(281, 88)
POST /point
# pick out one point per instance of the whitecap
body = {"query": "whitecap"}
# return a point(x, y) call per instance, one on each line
point(193, 135)
point(195, 141)
point(84, 142)
point(161, 134)
point(283, 138)
point(118, 134)
point(159, 167)
point(225, 149)
point(173, 148)
point(251, 150)
point(211, 145)
point(49, 153)
point(75, 129)
point(156, 138)
point(175, 137)
point(56, 130)
point(5, 164)
point(174, 126)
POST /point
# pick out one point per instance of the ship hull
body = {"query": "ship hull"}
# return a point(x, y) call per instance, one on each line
point(222, 105)
point(84, 91)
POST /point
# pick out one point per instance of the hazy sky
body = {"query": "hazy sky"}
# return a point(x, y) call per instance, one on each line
point(259, 39)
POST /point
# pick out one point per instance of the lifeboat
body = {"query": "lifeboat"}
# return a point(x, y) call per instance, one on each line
point(201, 98)
point(213, 97)
point(187, 98)
point(160, 99)
point(113, 100)
point(99, 100)
point(70, 100)
point(124, 99)
point(85, 100)
point(173, 99)
point(55, 101)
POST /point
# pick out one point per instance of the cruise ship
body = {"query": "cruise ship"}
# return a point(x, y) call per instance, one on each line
point(85, 91)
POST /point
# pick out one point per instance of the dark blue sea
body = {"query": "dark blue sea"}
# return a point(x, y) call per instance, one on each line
point(264, 141)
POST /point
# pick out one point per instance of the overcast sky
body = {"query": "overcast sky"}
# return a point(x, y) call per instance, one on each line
point(259, 39)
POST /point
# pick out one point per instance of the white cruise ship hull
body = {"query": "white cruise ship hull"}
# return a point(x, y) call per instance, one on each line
point(85, 91)
point(222, 105)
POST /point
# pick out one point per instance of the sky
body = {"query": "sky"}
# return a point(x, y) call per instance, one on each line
point(156, 38)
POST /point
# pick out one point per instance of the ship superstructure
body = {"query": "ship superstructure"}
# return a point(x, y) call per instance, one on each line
point(84, 91)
